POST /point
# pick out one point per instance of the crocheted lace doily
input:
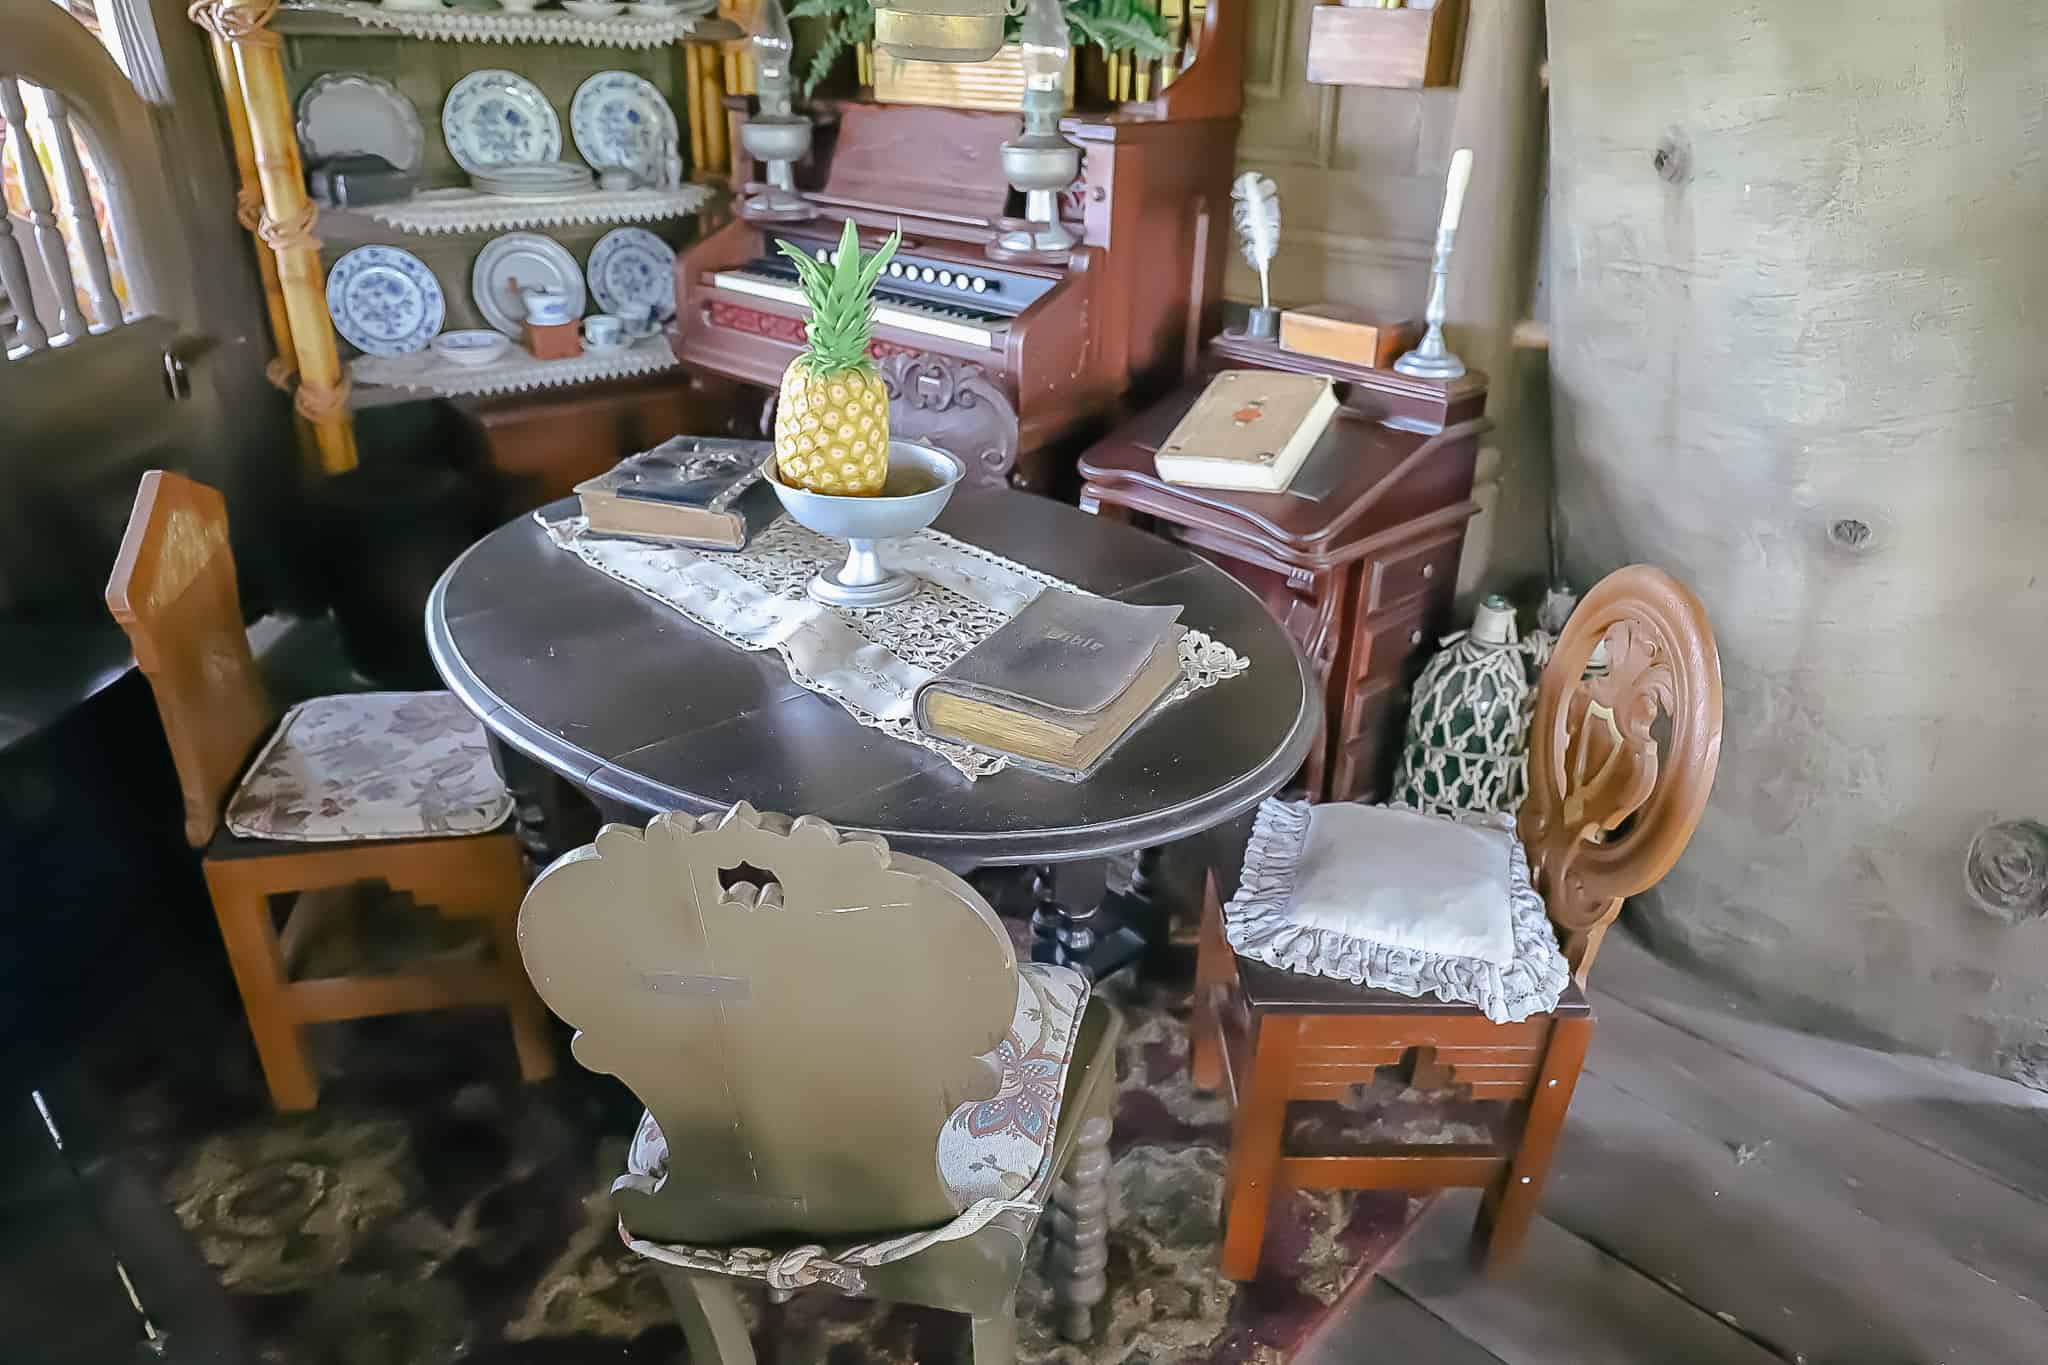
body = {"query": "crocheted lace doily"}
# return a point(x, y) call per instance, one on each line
point(517, 372)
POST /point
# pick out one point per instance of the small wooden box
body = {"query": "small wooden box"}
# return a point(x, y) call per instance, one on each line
point(1405, 49)
point(1332, 332)
point(555, 340)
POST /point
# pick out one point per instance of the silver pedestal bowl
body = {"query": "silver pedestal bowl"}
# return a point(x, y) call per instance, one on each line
point(921, 481)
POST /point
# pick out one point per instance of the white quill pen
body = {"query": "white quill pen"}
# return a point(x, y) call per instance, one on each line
point(1255, 211)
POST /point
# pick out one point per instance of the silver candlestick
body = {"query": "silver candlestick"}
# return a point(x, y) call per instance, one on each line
point(1432, 359)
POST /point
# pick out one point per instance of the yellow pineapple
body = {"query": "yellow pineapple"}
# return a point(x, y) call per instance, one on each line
point(832, 421)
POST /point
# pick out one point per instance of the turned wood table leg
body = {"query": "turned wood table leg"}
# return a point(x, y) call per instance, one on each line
point(1080, 1230)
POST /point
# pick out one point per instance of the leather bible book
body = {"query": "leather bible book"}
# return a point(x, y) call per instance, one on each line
point(1250, 429)
point(703, 492)
point(1060, 684)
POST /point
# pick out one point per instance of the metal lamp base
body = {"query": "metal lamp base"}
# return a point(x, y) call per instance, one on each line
point(862, 581)
point(1421, 365)
point(770, 204)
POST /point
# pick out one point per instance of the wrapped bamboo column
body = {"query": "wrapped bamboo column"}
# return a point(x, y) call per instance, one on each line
point(717, 153)
point(286, 226)
point(249, 212)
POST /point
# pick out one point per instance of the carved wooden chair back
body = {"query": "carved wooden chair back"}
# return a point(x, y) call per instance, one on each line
point(173, 590)
point(955, 407)
point(1609, 809)
point(801, 1012)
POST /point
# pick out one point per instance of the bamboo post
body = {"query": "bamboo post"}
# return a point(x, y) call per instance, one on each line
point(693, 95)
point(717, 158)
point(249, 210)
point(287, 223)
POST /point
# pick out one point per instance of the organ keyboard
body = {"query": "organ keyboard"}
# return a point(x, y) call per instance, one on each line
point(1058, 344)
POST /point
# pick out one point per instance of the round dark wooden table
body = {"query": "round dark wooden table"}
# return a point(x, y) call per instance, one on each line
point(646, 712)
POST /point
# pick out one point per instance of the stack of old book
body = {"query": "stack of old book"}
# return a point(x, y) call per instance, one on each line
point(698, 491)
point(1059, 686)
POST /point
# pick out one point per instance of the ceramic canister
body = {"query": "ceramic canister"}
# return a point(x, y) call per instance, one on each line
point(1467, 741)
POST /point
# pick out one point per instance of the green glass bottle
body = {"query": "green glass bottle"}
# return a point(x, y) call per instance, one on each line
point(1467, 740)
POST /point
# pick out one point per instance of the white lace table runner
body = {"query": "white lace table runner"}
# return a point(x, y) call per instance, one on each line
point(502, 26)
point(870, 662)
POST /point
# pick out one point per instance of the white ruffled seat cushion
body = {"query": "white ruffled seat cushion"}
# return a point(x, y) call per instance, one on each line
point(994, 1155)
point(1387, 941)
point(372, 765)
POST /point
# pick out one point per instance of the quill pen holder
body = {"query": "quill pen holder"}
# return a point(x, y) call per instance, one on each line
point(1263, 324)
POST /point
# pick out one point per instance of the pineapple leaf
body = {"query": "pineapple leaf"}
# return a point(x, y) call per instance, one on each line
point(871, 269)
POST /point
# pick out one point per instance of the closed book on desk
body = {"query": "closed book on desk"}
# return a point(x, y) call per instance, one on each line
point(1250, 429)
point(704, 492)
point(1060, 684)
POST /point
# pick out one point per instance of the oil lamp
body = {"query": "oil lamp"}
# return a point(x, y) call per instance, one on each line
point(1040, 162)
point(775, 136)
point(940, 30)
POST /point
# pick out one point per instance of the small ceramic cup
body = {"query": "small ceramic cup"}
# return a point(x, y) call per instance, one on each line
point(638, 317)
point(617, 178)
point(604, 330)
point(545, 307)
point(519, 6)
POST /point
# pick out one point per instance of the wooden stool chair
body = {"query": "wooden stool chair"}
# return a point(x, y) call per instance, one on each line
point(174, 592)
point(1608, 812)
point(850, 1082)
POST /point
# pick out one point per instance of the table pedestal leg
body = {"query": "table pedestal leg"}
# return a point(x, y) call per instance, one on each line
point(549, 816)
point(1074, 923)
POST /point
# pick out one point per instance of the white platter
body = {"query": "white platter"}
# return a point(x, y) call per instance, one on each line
point(499, 118)
point(522, 260)
point(384, 300)
point(620, 119)
point(348, 111)
point(546, 180)
point(632, 265)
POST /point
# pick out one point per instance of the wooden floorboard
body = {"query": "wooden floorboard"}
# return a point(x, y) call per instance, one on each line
point(1993, 1125)
point(1561, 1302)
point(1771, 1126)
point(1380, 1323)
point(1787, 1259)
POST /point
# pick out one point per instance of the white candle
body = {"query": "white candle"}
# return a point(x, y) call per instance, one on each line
point(1454, 193)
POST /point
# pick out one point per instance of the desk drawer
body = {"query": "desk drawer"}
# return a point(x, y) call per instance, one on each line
point(1413, 570)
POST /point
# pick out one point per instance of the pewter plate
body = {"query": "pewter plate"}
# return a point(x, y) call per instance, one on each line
point(499, 118)
point(345, 112)
point(516, 261)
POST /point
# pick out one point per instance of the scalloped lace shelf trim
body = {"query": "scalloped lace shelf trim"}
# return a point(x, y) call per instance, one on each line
point(466, 210)
point(517, 373)
point(1257, 924)
point(500, 26)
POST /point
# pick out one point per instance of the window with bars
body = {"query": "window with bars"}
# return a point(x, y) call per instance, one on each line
point(60, 265)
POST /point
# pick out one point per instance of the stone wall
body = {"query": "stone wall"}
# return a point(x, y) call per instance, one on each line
point(1798, 294)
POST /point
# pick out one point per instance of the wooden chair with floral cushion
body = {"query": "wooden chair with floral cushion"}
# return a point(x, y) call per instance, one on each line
point(850, 1081)
point(1621, 760)
point(392, 787)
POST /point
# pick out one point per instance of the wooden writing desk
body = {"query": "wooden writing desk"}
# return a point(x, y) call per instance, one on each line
point(1358, 559)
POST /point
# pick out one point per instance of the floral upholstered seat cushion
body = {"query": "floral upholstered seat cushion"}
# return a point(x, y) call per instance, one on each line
point(993, 1155)
point(1398, 901)
point(372, 765)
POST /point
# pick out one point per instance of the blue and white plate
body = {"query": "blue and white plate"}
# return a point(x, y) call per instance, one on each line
point(632, 265)
point(499, 118)
point(385, 301)
point(619, 119)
